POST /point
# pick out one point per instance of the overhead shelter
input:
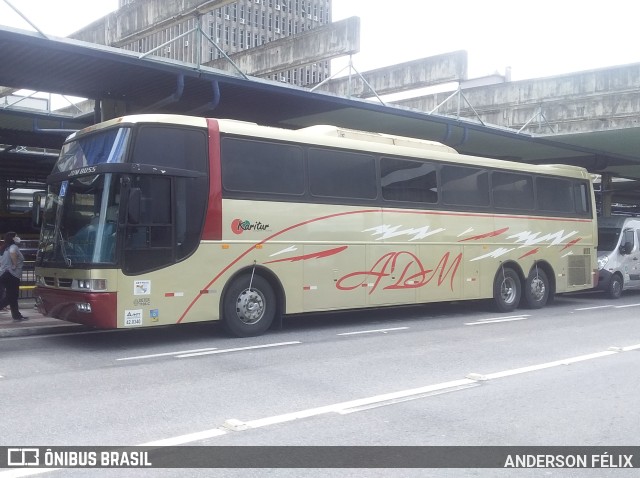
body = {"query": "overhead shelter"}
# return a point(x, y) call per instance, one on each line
point(121, 82)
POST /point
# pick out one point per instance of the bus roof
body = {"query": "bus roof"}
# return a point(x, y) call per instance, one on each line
point(337, 132)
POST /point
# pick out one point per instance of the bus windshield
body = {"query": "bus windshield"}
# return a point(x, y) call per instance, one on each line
point(80, 214)
point(105, 147)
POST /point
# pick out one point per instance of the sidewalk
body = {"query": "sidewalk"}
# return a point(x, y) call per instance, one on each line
point(37, 324)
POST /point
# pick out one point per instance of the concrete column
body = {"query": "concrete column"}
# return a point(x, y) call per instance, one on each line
point(112, 109)
point(606, 181)
point(4, 196)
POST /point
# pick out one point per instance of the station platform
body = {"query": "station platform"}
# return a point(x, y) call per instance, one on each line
point(37, 324)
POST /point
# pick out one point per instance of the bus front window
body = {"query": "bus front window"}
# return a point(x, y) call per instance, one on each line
point(84, 225)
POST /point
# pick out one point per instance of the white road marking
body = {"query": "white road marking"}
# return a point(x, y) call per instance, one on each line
point(542, 366)
point(383, 331)
point(406, 399)
point(631, 347)
point(238, 349)
point(26, 472)
point(348, 407)
point(189, 438)
point(167, 354)
point(362, 402)
point(625, 306)
point(495, 321)
point(504, 317)
point(595, 307)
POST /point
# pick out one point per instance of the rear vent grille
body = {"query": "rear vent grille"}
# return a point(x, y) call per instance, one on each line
point(579, 270)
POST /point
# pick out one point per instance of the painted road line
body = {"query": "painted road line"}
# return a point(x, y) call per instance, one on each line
point(504, 317)
point(188, 438)
point(625, 349)
point(395, 401)
point(542, 366)
point(362, 402)
point(17, 473)
point(167, 354)
point(595, 307)
point(238, 349)
point(496, 321)
point(625, 306)
point(375, 331)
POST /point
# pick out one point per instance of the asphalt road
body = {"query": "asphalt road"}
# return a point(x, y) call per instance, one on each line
point(445, 374)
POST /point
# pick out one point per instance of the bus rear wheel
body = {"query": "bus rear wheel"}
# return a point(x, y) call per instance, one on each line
point(536, 289)
point(249, 306)
point(506, 290)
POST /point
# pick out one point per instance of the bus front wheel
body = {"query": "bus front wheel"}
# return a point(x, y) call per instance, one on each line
point(249, 306)
point(506, 290)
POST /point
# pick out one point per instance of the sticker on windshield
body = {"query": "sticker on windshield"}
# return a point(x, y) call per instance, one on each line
point(63, 188)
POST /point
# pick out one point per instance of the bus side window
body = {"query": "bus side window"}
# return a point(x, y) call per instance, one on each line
point(464, 186)
point(410, 181)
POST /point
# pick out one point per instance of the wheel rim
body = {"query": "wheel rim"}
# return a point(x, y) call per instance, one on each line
point(617, 287)
point(250, 306)
point(538, 288)
point(508, 290)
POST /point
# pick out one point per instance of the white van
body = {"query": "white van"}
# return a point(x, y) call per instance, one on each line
point(618, 254)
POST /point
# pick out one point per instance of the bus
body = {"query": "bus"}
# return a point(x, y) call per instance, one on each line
point(167, 219)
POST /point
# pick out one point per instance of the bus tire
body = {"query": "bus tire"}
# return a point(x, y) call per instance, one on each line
point(536, 289)
point(614, 291)
point(248, 312)
point(507, 289)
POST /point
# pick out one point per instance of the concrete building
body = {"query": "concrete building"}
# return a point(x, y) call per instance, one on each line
point(208, 32)
point(584, 101)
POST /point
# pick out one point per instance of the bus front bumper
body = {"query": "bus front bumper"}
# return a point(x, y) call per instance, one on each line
point(97, 309)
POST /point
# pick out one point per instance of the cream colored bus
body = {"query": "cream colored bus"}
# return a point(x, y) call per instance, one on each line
point(162, 219)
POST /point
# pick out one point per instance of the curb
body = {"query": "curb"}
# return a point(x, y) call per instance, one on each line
point(42, 330)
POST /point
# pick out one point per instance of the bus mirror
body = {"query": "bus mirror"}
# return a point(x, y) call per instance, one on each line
point(37, 207)
point(134, 206)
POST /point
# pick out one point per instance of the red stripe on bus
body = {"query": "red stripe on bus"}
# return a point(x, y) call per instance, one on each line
point(488, 234)
point(315, 255)
point(531, 252)
point(571, 243)
point(212, 230)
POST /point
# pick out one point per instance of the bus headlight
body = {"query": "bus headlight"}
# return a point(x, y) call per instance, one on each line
point(602, 261)
point(92, 284)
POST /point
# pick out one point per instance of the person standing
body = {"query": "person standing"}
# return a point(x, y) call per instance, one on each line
point(11, 264)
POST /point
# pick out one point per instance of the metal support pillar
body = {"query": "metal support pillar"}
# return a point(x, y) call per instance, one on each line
point(606, 192)
point(110, 109)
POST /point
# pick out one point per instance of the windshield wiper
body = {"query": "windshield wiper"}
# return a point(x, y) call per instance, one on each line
point(63, 249)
